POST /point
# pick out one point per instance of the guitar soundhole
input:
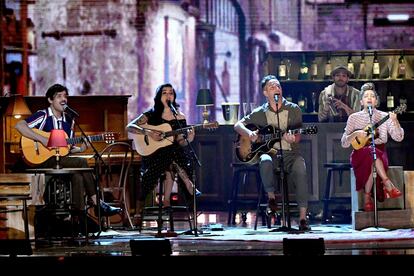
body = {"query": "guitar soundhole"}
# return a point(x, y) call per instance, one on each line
point(146, 140)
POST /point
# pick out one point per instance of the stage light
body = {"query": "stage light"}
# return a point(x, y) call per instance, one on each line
point(153, 247)
point(14, 247)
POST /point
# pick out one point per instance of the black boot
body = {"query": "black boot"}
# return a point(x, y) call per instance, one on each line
point(107, 210)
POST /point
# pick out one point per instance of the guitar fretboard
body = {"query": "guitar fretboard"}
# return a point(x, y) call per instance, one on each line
point(398, 110)
point(183, 130)
point(92, 138)
point(278, 134)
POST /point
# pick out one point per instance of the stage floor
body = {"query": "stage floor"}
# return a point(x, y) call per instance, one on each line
point(215, 238)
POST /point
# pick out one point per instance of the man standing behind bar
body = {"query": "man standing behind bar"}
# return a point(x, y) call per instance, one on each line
point(338, 100)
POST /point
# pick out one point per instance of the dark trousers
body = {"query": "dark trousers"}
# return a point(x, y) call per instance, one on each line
point(82, 183)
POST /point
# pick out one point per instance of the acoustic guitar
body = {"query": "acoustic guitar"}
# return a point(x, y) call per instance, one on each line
point(35, 153)
point(360, 142)
point(248, 152)
point(145, 145)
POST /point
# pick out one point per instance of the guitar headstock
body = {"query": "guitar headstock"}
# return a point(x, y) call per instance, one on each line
point(211, 126)
point(310, 130)
point(402, 108)
point(110, 137)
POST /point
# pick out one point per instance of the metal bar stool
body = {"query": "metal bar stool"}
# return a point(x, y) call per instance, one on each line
point(340, 167)
point(241, 177)
point(157, 212)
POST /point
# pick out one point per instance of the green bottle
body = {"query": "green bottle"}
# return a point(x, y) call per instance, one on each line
point(304, 69)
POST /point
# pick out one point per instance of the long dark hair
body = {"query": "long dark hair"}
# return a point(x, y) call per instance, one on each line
point(158, 105)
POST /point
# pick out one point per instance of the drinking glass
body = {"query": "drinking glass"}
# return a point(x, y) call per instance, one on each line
point(389, 65)
point(245, 109)
point(288, 65)
point(252, 106)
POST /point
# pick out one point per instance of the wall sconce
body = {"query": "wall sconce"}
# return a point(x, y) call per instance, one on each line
point(204, 99)
point(57, 140)
point(17, 107)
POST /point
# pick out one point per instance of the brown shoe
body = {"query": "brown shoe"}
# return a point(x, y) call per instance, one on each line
point(304, 225)
point(271, 205)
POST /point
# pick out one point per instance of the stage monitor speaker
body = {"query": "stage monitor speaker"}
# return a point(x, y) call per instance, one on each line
point(14, 247)
point(154, 247)
point(302, 247)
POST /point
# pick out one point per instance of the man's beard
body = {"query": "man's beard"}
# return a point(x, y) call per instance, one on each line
point(340, 84)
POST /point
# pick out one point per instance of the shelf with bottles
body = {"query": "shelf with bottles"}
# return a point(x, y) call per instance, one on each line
point(317, 65)
point(306, 95)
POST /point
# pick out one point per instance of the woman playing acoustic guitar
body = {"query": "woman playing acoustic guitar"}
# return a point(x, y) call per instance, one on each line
point(357, 133)
point(167, 155)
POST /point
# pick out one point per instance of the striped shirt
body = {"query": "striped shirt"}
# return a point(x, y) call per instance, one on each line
point(360, 120)
point(45, 120)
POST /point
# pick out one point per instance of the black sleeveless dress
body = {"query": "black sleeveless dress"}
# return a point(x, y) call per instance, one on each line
point(154, 165)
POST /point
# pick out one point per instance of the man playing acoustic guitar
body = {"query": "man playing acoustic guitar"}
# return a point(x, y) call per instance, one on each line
point(357, 132)
point(54, 117)
point(290, 117)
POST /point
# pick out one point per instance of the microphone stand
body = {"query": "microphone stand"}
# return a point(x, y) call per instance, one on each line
point(374, 169)
point(98, 158)
point(282, 183)
point(194, 157)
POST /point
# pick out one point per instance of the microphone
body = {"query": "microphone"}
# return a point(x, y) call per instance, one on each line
point(67, 109)
point(276, 98)
point(174, 111)
point(369, 109)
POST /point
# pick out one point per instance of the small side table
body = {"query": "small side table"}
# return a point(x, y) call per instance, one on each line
point(59, 189)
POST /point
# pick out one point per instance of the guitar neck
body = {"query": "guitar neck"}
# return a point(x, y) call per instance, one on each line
point(380, 122)
point(279, 134)
point(78, 140)
point(180, 131)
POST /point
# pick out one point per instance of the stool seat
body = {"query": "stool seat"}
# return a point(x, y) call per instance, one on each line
point(340, 167)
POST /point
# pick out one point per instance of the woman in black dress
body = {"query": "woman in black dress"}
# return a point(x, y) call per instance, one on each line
point(168, 159)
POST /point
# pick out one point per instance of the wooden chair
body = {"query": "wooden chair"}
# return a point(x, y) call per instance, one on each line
point(118, 158)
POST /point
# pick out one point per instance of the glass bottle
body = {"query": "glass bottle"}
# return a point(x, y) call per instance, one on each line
point(314, 70)
point(390, 100)
point(302, 102)
point(328, 68)
point(401, 66)
point(288, 97)
point(281, 71)
point(375, 67)
point(350, 65)
point(304, 69)
point(225, 80)
point(403, 98)
point(362, 68)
